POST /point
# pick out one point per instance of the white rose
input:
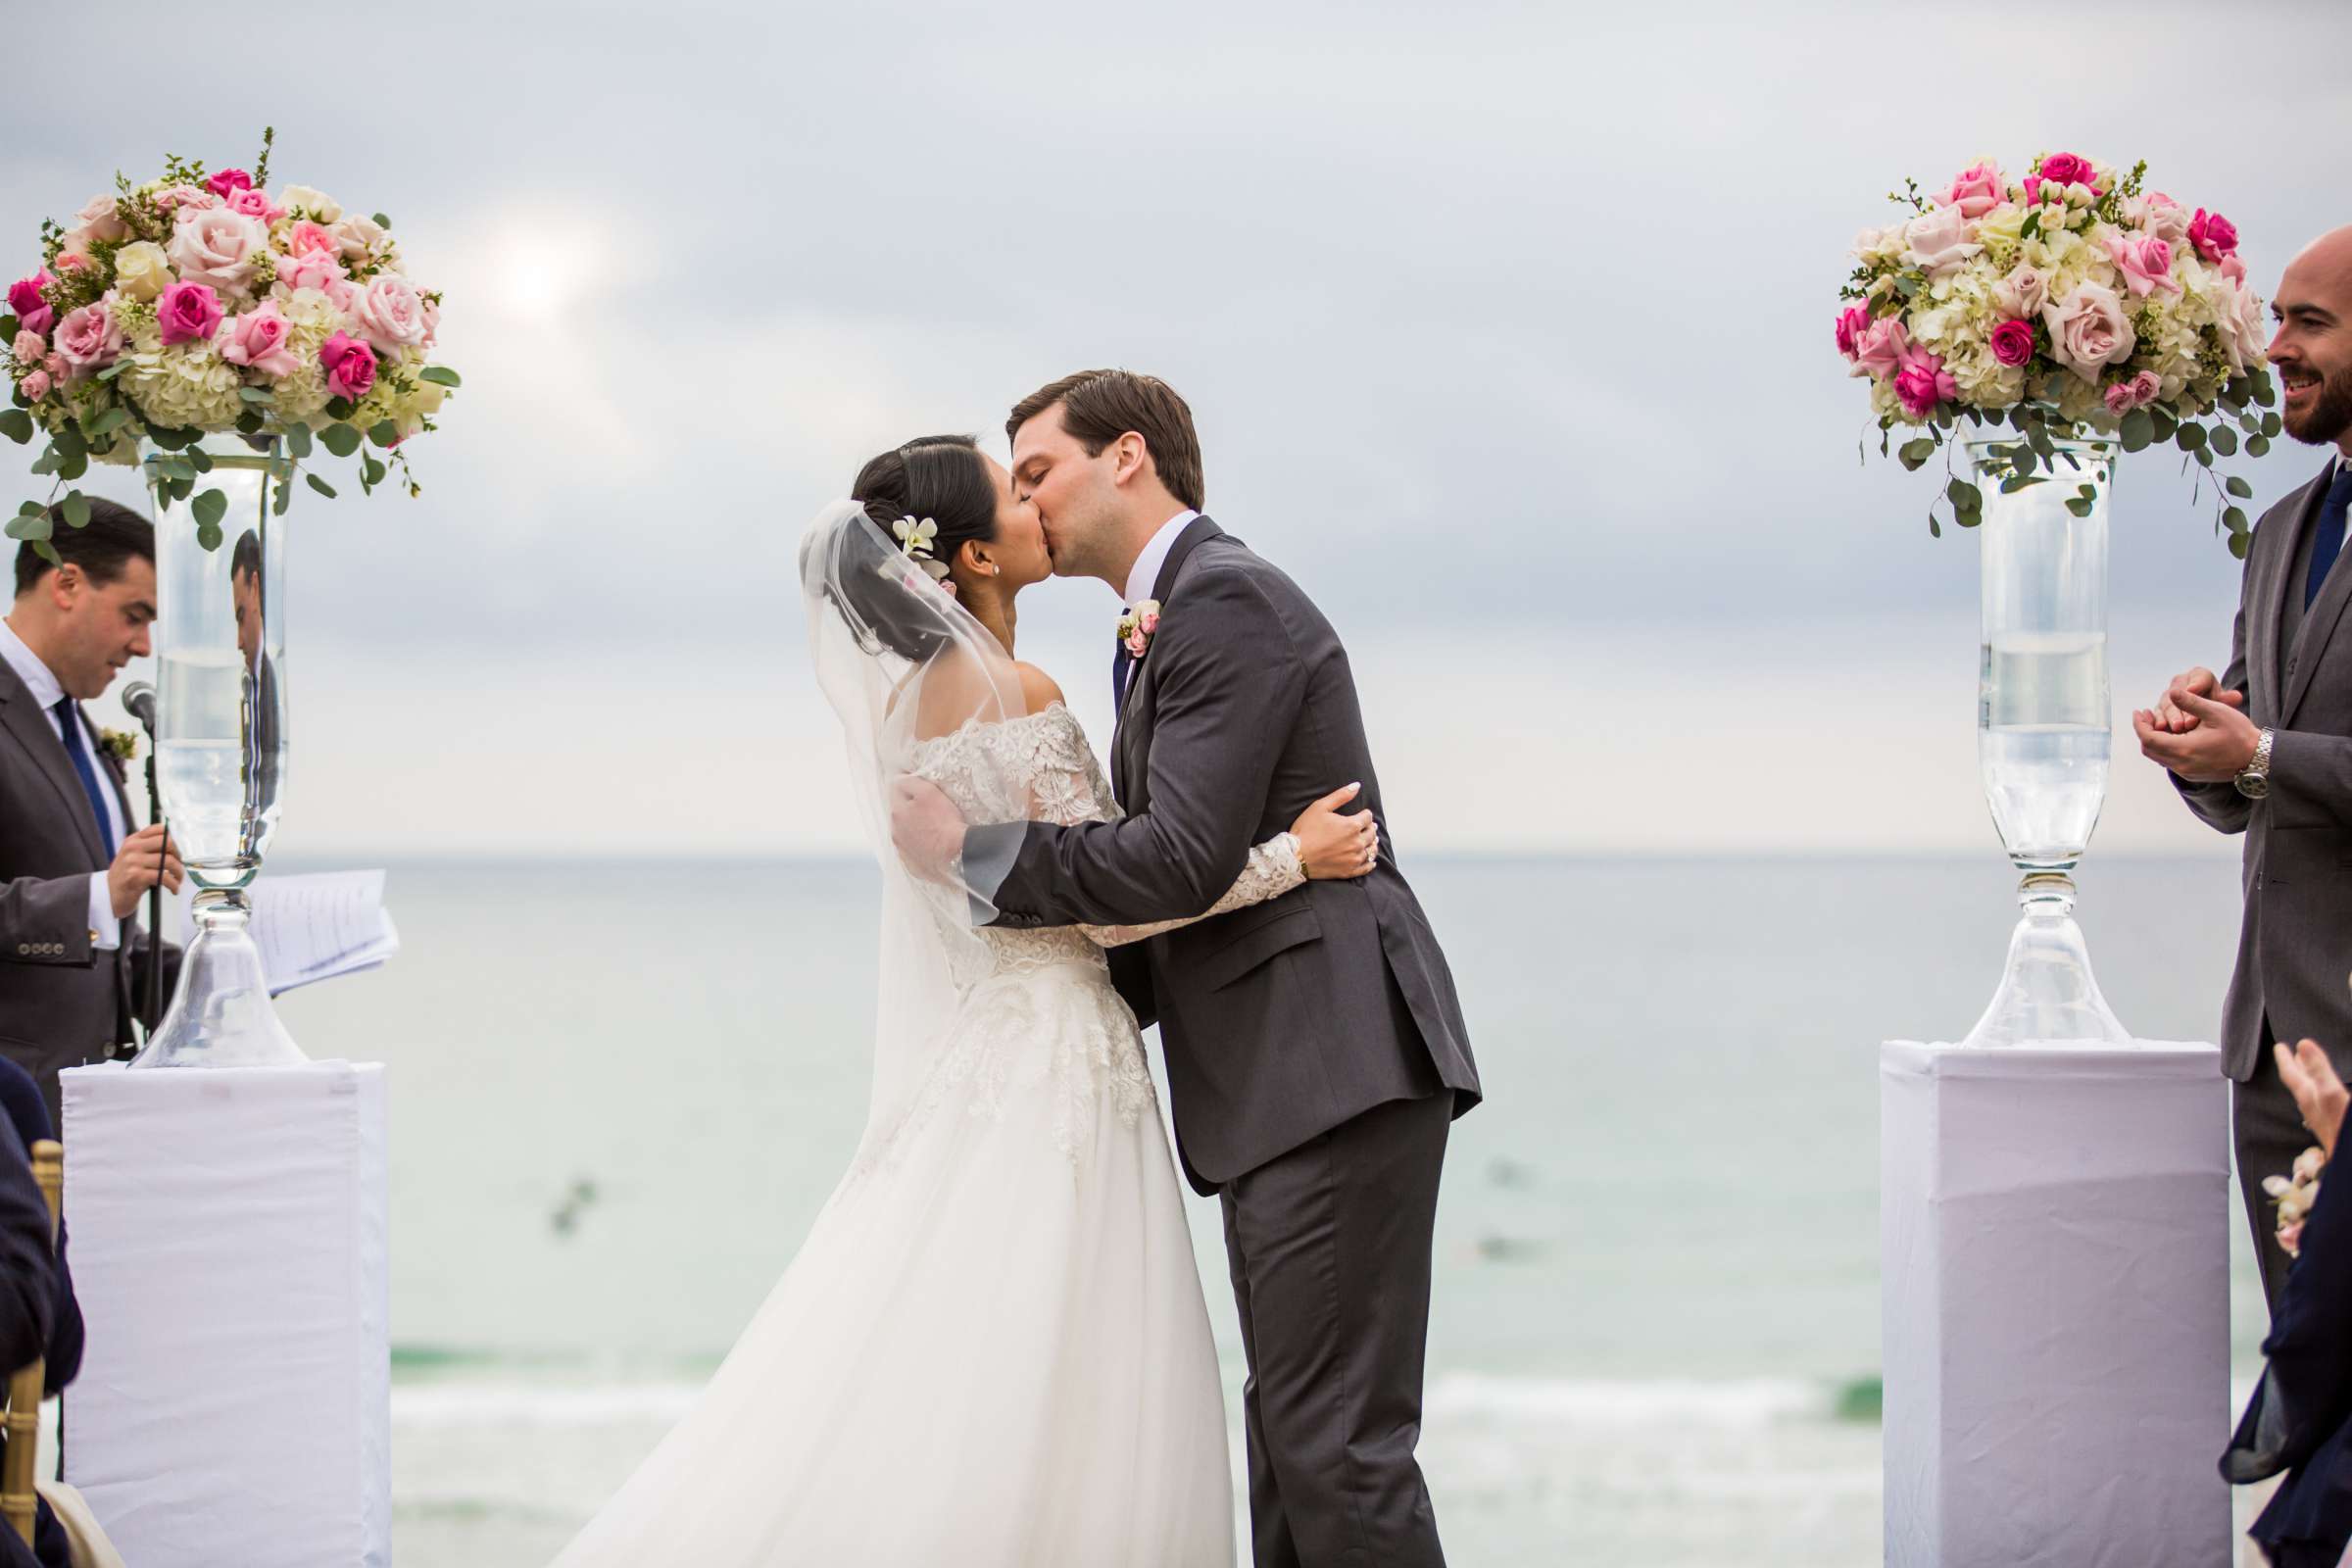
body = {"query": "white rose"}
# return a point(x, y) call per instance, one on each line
point(2089, 330)
point(316, 205)
point(1877, 245)
point(142, 270)
point(1938, 240)
point(391, 314)
point(217, 246)
point(359, 236)
point(2237, 323)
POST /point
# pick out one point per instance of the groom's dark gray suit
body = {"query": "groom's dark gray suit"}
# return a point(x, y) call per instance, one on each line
point(1315, 1047)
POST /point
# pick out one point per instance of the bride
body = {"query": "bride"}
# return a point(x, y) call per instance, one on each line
point(992, 1348)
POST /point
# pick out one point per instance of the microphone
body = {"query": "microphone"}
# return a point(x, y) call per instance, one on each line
point(138, 701)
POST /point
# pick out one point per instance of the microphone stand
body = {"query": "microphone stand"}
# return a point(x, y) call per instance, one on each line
point(152, 1008)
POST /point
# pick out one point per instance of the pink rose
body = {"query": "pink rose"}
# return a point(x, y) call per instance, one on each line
point(2089, 330)
point(1981, 187)
point(1137, 642)
point(33, 313)
point(28, 347)
point(2013, 342)
point(55, 365)
point(217, 247)
point(307, 238)
point(2233, 268)
point(1147, 622)
point(2147, 264)
point(2068, 169)
point(350, 367)
point(172, 197)
point(319, 269)
point(2137, 393)
point(98, 220)
point(2214, 236)
point(187, 312)
point(89, 339)
point(254, 204)
point(1852, 323)
point(1880, 351)
point(1923, 382)
point(36, 385)
point(229, 182)
point(2024, 292)
point(1939, 239)
point(2160, 216)
point(71, 261)
point(432, 321)
point(257, 340)
point(391, 315)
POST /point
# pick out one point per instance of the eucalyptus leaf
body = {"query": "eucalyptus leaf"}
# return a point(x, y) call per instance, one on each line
point(76, 509)
point(371, 472)
point(2257, 445)
point(2204, 456)
point(112, 370)
point(73, 467)
point(321, 485)
point(440, 375)
point(2239, 543)
point(2078, 506)
point(16, 426)
point(2265, 394)
point(298, 441)
point(2192, 438)
point(209, 507)
point(2238, 488)
point(384, 434)
point(340, 439)
point(2234, 520)
point(47, 552)
point(260, 395)
point(2225, 441)
point(2010, 487)
point(208, 535)
point(31, 525)
point(1915, 453)
point(110, 420)
point(2271, 424)
point(200, 460)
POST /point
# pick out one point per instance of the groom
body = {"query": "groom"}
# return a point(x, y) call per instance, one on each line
point(1315, 1049)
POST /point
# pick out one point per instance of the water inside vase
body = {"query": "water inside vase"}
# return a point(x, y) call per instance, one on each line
point(2043, 742)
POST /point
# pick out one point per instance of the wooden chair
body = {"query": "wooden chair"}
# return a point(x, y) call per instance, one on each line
point(22, 1462)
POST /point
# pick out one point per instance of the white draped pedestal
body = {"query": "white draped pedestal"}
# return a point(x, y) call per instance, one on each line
point(2054, 1233)
point(229, 1251)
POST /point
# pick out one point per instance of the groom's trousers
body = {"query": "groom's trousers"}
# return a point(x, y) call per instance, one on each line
point(1330, 1252)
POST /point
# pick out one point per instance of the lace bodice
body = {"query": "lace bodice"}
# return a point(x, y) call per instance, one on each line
point(1045, 755)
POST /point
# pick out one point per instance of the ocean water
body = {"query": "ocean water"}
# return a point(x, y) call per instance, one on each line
point(619, 1093)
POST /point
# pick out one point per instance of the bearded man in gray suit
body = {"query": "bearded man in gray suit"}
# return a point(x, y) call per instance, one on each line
point(1316, 1048)
point(72, 868)
point(2264, 749)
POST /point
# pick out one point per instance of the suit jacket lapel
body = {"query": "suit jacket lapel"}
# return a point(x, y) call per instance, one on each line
point(1134, 716)
point(30, 727)
point(2319, 622)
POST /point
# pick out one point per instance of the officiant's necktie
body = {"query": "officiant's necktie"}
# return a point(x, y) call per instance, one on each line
point(2329, 542)
point(69, 729)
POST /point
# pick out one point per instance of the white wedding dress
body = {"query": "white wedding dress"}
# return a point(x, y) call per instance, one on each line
point(991, 1349)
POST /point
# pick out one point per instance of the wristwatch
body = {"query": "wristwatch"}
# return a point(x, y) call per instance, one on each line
point(2255, 782)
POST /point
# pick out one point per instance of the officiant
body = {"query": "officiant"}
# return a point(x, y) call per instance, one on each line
point(73, 865)
point(2264, 748)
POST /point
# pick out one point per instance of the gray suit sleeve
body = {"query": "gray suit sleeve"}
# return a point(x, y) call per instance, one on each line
point(49, 915)
point(2219, 806)
point(1228, 685)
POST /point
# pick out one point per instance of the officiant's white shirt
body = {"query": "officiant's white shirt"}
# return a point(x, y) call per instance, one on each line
point(47, 693)
point(1155, 554)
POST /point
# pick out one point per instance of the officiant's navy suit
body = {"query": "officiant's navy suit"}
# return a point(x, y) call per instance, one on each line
point(1315, 1047)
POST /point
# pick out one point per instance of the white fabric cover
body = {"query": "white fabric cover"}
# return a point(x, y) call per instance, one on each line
point(230, 1252)
point(2054, 1232)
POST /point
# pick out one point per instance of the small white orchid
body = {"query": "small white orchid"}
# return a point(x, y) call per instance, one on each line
point(915, 536)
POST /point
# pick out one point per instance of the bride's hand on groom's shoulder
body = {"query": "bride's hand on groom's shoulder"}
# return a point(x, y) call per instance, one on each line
point(1332, 847)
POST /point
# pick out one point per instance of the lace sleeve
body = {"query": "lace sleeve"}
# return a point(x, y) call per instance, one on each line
point(1273, 869)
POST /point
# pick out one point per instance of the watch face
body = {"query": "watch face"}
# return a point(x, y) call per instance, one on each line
point(2253, 786)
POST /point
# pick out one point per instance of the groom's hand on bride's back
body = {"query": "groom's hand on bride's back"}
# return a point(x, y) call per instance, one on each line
point(925, 826)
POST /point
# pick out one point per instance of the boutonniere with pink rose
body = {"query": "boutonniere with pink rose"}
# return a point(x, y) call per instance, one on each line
point(1138, 626)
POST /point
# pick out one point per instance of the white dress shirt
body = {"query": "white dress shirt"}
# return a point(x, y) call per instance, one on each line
point(47, 693)
point(1146, 571)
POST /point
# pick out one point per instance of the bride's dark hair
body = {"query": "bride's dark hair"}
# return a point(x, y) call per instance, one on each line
point(938, 478)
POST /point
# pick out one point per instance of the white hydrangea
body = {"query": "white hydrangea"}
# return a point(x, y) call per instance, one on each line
point(186, 386)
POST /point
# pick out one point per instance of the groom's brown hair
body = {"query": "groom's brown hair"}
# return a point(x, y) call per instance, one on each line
point(1098, 407)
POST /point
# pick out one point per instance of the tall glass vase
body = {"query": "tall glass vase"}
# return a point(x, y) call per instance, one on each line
point(2043, 728)
point(220, 742)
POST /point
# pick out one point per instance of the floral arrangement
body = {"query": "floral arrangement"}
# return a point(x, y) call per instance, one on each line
point(2294, 1197)
point(199, 303)
point(2069, 304)
point(1138, 626)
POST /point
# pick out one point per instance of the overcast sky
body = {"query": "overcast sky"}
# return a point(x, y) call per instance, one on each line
point(1507, 328)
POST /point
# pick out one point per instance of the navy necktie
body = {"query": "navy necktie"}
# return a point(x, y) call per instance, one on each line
point(2329, 542)
point(69, 728)
point(1122, 664)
